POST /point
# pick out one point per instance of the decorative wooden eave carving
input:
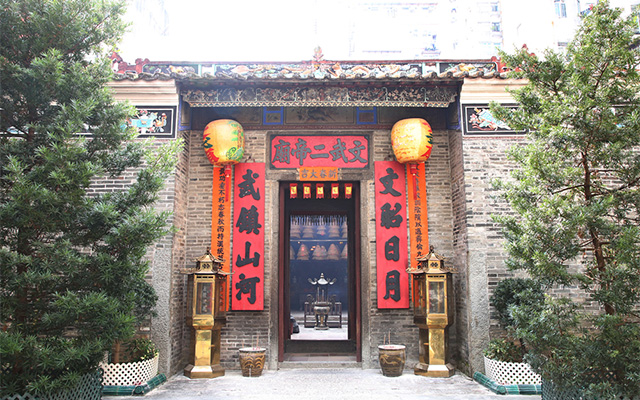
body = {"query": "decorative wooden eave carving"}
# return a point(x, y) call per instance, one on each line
point(300, 95)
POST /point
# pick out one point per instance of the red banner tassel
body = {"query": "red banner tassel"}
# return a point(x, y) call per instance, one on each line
point(227, 176)
point(335, 190)
point(293, 190)
point(319, 191)
point(413, 169)
point(348, 190)
point(306, 190)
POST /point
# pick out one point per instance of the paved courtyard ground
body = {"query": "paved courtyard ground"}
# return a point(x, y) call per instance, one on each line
point(324, 384)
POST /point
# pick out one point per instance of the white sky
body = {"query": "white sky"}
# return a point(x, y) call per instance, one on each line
point(289, 30)
point(240, 30)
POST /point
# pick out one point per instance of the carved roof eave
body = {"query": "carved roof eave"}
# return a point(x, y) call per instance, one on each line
point(437, 92)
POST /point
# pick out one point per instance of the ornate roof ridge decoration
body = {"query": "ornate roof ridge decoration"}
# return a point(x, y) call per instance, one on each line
point(317, 69)
point(388, 96)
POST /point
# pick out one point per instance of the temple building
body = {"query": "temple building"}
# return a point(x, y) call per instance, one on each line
point(317, 207)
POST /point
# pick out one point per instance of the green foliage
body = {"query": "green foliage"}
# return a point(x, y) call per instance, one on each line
point(509, 294)
point(503, 350)
point(141, 349)
point(513, 292)
point(576, 201)
point(72, 260)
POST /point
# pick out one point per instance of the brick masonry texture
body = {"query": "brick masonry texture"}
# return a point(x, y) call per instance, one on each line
point(460, 204)
point(460, 201)
point(479, 246)
point(193, 220)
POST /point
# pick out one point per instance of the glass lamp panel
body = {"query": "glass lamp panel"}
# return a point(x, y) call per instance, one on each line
point(419, 297)
point(221, 296)
point(436, 297)
point(204, 298)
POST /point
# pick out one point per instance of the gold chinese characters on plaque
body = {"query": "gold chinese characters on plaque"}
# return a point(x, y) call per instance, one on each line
point(318, 173)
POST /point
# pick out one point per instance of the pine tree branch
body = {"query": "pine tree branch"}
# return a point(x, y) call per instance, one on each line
point(568, 188)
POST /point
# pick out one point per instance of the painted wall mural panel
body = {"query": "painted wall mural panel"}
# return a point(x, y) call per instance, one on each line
point(154, 121)
point(248, 237)
point(479, 120)
point(391, 235)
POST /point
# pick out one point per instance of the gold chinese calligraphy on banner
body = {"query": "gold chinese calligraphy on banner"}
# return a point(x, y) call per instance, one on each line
point(221, 219)
point(418, 219)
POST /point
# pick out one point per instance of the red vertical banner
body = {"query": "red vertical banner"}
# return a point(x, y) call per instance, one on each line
point(418, 220)
point(221, 219)
point(221, 222)
point(391, 235)
point(248, 237)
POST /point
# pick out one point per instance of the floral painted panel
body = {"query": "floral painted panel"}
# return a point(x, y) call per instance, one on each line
point(478, 120)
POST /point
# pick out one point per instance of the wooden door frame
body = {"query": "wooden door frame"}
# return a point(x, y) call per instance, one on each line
point(283, 284)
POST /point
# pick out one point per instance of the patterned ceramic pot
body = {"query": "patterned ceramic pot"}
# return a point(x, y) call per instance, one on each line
point(252, 360)
point(392, 358)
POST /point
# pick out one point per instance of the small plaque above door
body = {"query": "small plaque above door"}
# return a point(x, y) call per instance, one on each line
point(318, 174)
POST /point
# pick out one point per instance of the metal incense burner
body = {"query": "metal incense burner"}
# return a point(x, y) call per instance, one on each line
point(207, 306)
point(322, 305)
point(433, 313)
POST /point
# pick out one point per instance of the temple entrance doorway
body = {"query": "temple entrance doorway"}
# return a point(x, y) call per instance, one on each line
point(319, 272)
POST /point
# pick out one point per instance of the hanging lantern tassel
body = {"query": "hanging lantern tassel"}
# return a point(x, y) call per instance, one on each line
point(306, 190)
point(413, 169)
point(227, 180)
point(335, 190)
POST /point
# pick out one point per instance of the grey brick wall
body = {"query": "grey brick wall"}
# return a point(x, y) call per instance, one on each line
point(479, 250)
point(243, 328)
point(460, 204)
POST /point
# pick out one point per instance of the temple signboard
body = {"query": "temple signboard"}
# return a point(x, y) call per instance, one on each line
point(338, 151)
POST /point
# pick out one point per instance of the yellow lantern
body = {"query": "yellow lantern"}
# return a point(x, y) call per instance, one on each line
point(224, 142)
point(224, 145)
point(412, 140)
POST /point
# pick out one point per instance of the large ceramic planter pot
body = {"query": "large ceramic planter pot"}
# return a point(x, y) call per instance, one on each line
point(392, 358)
point(508, 373)
point(129, 374)
point(252, 360)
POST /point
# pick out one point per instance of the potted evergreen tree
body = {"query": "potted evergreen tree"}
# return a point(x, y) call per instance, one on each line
point(72, 258)
point(138, 366)
point(504, 357)
point(575, 196)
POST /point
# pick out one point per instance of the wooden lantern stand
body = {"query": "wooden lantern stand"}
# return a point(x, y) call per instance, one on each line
point(433, 314)
point(207, 302)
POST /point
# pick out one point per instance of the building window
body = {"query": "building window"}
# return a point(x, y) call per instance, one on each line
point(272, 115)
point(635, 12)
point(561, 8)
